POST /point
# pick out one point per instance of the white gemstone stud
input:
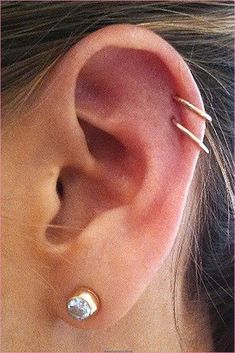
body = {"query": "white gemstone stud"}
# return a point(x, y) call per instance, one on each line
point(83, 304)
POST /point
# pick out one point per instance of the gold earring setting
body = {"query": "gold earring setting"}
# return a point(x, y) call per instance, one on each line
point(83, 304)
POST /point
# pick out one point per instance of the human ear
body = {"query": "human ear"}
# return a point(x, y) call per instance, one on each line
point(123, 169)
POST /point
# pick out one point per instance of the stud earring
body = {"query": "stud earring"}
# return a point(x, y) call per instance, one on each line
point(185, 131)
point(83, 304)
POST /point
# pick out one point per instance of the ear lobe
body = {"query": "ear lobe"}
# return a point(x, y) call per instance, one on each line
point(118, 84)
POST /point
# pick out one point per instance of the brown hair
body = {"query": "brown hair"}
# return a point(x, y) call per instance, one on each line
point(36, 34)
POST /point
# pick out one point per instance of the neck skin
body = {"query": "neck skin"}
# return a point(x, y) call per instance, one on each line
point(149, 326)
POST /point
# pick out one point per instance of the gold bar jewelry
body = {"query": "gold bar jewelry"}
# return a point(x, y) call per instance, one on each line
point(196, 110)
point(190, 135)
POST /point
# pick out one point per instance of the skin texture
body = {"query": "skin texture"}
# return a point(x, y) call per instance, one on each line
point(101, 123)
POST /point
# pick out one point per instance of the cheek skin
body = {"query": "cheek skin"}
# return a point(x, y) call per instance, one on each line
point(29, 203)
point(29, 177)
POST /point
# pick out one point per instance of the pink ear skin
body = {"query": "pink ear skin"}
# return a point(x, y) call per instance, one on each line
point(106, 109)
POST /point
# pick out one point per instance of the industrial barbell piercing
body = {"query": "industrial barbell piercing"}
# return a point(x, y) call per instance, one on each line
point(194, 109)
point(188, 133)
point(84, 304)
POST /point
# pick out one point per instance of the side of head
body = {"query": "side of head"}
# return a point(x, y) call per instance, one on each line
point(97, 179)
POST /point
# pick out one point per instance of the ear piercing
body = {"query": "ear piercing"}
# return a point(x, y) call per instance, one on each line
point(83, 304)
point(185, 131)
point(194, 109)
point(190, 135)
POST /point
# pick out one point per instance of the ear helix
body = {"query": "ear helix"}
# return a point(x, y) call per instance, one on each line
point(185, 131)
